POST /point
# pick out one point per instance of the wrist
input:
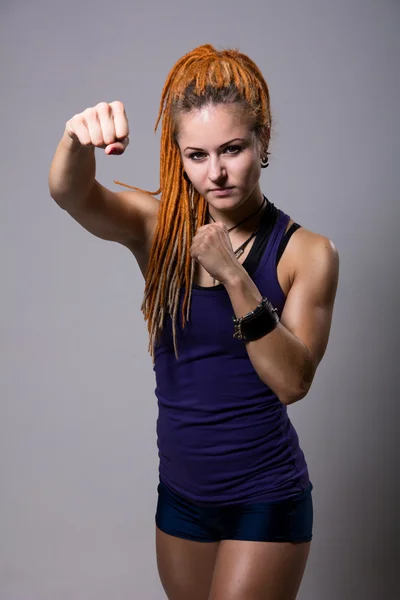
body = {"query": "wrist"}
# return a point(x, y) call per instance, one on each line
point(235, 276)
point(73, 145)
point(256, 323)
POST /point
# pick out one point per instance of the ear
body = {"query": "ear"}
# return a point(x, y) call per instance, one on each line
point(260, 149)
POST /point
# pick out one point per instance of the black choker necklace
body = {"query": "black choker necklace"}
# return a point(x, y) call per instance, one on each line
point(246, 219)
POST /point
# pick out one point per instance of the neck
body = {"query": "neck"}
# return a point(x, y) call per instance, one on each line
point(230, 218)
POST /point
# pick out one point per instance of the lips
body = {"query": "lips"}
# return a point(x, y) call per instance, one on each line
point(222, 192)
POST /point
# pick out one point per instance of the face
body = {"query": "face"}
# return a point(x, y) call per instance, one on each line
point(221, 156)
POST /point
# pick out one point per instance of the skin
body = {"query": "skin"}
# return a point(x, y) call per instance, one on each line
point(217, 163)
point(286, 359)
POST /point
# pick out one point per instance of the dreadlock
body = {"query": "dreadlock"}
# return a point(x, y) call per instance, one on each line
point(202, 77)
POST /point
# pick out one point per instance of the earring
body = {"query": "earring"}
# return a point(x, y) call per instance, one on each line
point(185, 177)
point(264, 162)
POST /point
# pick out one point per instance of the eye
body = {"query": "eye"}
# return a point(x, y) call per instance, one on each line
point(233, 149)
point(195, 155)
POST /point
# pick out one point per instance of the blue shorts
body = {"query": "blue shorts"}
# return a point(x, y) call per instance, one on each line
point(288, 520)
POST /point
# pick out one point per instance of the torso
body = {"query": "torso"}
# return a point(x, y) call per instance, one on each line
point(204, 279)
point(285, 269)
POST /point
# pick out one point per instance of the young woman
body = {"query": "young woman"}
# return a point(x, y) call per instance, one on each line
point(239, 302)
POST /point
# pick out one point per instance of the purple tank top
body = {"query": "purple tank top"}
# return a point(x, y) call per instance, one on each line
point(223, 436)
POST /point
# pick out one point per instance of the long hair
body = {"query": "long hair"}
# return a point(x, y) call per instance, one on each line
point(202, 77)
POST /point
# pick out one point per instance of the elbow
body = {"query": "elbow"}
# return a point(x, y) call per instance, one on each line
point(302, 386)
point(291, 398)
point(296, 393)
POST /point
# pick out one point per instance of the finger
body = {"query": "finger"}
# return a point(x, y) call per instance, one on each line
point(219, 224)
point(117, 148)
point(120, 120)
point(106, 121)
point(79, 130)
point(91, 120)
point(204, 227)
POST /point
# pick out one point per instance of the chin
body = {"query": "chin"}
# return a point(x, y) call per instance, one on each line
point(222, 204)
point(230, 201)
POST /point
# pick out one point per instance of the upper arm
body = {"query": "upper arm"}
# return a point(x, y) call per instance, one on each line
point(309, 305)
point(127, 217)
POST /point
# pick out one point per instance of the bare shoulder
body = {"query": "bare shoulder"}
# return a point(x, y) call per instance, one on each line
point(315, 258)
point(307, 241)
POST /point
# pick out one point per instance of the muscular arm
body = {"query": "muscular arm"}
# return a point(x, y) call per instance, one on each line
point(287, 358)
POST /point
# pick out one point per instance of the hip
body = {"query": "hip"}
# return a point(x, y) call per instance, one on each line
point(289, 520)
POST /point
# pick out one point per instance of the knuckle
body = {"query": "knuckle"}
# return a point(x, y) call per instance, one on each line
point(117, 105)
point(75, 121)
point(103, 108)
point(102, 104)
point(89, 113)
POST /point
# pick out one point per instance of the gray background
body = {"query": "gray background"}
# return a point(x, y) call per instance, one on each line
point(78, 458)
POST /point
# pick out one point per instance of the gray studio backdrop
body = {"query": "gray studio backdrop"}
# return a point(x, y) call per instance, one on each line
point(78, 457)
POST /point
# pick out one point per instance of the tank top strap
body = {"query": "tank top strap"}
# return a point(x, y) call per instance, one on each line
point(275, 238)
point(282, 223)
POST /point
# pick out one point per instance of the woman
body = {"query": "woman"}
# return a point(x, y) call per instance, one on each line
point(239, 302)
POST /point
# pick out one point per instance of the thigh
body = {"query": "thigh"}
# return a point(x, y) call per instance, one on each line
point(185, 567)
point(187, 540)
point(258, 570)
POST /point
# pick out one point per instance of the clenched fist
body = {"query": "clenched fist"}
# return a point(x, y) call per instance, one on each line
point(103, 126)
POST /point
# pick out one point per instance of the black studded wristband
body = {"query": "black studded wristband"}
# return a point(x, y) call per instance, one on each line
point(257, 323)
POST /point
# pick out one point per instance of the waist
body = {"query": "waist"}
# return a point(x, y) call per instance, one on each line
point(230, 456)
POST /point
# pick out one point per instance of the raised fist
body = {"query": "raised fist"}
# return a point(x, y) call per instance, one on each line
point(103, 126)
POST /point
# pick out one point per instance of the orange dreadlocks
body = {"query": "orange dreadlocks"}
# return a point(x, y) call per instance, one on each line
point(202, 77)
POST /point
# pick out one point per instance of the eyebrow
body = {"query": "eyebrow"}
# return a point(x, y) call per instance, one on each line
point(221, 146)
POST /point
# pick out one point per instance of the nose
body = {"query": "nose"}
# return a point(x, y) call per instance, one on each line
point(216, 170)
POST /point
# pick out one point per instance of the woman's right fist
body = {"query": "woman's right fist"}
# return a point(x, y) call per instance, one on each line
point(103, 126)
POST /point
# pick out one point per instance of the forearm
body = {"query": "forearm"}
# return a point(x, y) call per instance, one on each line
point(280, 359)
point(72, 173)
